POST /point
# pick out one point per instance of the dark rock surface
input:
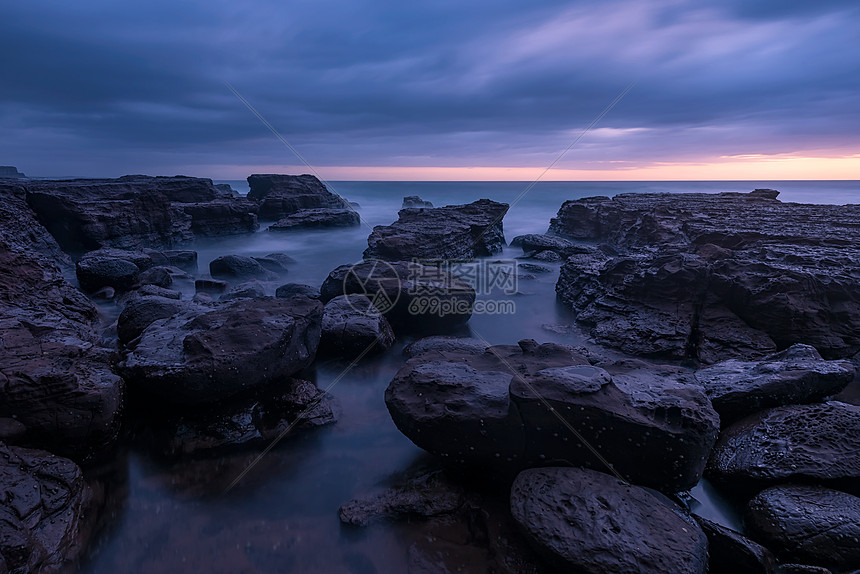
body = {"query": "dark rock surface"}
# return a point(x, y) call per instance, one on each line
point(54, 377)
point(797, 375)
point(293, 289)
point(205, 355)
point(211, 286)
point(818, 442)
point(10, 172)
point(248, 290)
point(322, 217)
point(46, 514)
point(282, 195)
point(589, 522)
point(94, 273)
point(184, 259)
point(651, 423)
point(808, 524)
point(413, 201)
point(142, 312)
point(238, 267)
point(426, 495)
point(247, 421)
point(731, 553)
point(276, 262)
point(413, 298)
point(443, 343)
point(534, 242)
point(714, 276)
point(136, 211)
point(351, 325)
point(450, 232)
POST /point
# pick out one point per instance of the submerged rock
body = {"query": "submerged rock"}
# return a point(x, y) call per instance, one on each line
point(46, 514)
point(814, 442)
point(514, 407)
point(276, 262)
point(322, 217)
point(796, 375)
point(248, 290)
point(809, 524)
point(351, 325)
point(450, 232)
point(206, 355)
point(413, 201)
point(293, 289)
point(238, 267)
point(586, 521)
point(282, 195)
point(443, 343)
point(714, 276)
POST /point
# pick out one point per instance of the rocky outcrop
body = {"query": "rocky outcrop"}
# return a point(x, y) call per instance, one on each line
point(292, 289)
point(808, 524)
point(818, 442)
point(412, 297)
point(586, 521)
point(252, 289)
point(713, 276)
point(282, 195)
point(95, 273)
point(136, 211)
point(513, 407)
point(450, 232)
point(310, 218)
point(254, 419)
point(54, 378)
point(413, 201)
point(238, 267)
point(794, 376)
point(46, 514)
point(10, 172)
point(205, 355)
point(352, 326)
point(140, 313)
point(731, 553)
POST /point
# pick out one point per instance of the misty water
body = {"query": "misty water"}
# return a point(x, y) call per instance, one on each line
point(174, 515)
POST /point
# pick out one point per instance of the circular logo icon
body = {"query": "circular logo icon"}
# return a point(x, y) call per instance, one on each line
point(375, 279)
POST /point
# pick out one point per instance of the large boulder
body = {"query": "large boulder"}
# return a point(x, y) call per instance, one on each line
point(713, 276)
point(450, 232)
point(512, 407)
point(136, 211)
point(809, 524)
point(797, 375)
point(238, 267)
point(586, 521)
point(818, 442)
point(352, 326)
point(141, 312)
point(413, 297)
point(46, 514)
point(94, 273)
point(206, 355)
point(322, 217)
point(54, 378)
point(282, 195)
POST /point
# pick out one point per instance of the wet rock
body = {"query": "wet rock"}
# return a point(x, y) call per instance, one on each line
point(534, 268)
point(426, 495)
point(10, 172)
point(11, 430)
point(95, 273)
point(413, 201)
point(283, 195)
point(714, 276)
point(651, 423)
point(585, 521)
point(46, 514)
point(797, 375)
point(158, 276)
point(238, 267)
point(152, 291)
point(802, 569)
point(548, 256)
point(351, 325)
point(226, 189)
point(732, 553)
point(450, 232)
point(207, 355)
point(143, 259)
point(819, 442)
point(245, 421)
point(293, 289)
point(534, 242)
point(183, 259)
point(413, 297)
point(247, 290)
point(142, 312)
point(443, 343)
point(135, 211)
point(210, 286)
point(808, 524)
point(276, 262)
point(309, 218)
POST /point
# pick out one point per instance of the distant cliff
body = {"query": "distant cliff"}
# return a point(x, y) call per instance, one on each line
point(10, 171)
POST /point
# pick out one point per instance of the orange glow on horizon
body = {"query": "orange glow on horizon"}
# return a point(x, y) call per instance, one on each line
point(739, 168)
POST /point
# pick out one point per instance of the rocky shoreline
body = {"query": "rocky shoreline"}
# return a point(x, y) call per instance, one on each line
point(721, 330)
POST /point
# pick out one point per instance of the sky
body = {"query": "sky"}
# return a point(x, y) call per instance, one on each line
point(440, 90)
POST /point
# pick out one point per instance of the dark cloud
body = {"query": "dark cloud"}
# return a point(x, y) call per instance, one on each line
point(99, 87)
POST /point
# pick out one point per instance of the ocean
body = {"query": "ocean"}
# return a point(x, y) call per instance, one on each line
point(173, 516)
